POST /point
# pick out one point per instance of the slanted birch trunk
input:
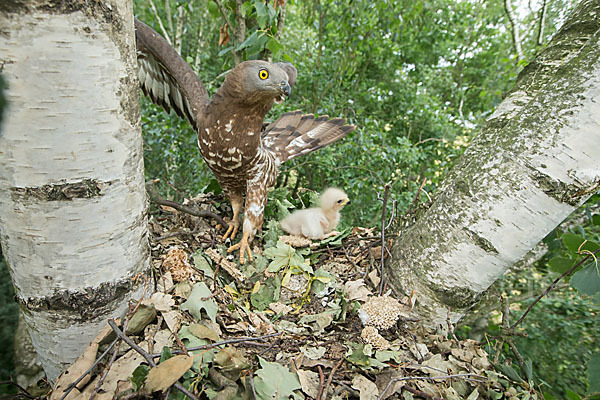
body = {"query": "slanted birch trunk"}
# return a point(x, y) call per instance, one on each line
point(72, 200)
point(535, 160)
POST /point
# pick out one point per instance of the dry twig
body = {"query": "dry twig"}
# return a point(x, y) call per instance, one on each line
point(383, 224)
point(147, 356)
point(155, 197)
point(330, 377)
point(466, 376)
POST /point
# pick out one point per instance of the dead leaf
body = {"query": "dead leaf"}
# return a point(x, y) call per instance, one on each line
point(368, 390)
point(280, 308)
point(167, 373)
point(142, 317)
point(309, 381)
point(357, 290)
point(183, 289)
point(203, 332)
point(227, 265)
point(295, 241)
point(161, 301)
point(314, 353)
point(384, 378)
point(223, 35)
point(169, 209)
point(78, 368)
point(173, 320)
point(374, 277)
point(122, 368)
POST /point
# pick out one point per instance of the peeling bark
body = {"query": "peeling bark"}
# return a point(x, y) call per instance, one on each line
point(531, 165)
point(72, 200)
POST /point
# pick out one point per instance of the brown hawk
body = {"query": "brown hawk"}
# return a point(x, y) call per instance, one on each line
point(243, 156)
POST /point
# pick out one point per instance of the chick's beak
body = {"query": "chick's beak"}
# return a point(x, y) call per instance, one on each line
point(345, 203)
point(285, 87)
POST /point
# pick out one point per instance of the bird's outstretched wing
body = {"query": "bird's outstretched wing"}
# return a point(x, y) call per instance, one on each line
point(165, 77)
point(295, 134)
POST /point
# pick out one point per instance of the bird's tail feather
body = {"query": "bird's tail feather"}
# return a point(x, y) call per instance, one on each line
point(295, 134)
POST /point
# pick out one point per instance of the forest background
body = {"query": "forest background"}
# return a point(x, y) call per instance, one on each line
point(417, 78)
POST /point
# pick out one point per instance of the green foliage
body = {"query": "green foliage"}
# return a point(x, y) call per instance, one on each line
point(138, 377)
point(414, 80)
point(9, 316)
point(593, 373)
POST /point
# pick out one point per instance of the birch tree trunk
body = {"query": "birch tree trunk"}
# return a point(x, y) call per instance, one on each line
point(535, 160)
point(72, 200)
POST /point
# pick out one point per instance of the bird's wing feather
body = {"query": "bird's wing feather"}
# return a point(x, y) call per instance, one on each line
point(165, 77)
point(295, 134)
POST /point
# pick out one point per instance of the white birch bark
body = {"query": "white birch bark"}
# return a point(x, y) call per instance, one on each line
point(535, 160)
point(72, 200)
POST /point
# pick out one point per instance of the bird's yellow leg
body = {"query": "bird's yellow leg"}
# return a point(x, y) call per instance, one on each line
point(236, 204)
point(244, 248)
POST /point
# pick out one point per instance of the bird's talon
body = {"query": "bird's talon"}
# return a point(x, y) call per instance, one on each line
point(244, 248)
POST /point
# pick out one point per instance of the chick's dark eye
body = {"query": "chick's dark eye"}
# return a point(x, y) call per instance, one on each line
point(263, 74)
point(339, 201)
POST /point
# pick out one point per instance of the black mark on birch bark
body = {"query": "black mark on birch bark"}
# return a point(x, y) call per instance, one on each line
point(85, 189)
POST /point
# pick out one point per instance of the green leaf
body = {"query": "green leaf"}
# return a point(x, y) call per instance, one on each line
point(200, 299)
point(165, 354)
point(202, 263)
point(572, 395)
point(222, 53)
point(275, 48)
point(138, 377)
point(246, 9)
point(593, 373)
point(262, 13)
point(586, 280)
point(575, 243)
point(283, 255)
point(265, 296)
point(190, 340)
point(274, 381)
point(213, 9)
point(528, 369)
point(572, 242)
point(250, 41)
point(213, 186)
point(509, 371)
point(560, 265)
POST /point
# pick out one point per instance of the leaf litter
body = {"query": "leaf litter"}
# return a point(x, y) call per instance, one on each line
point(302, 321)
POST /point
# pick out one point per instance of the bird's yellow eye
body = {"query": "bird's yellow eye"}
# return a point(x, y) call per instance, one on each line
point(263, 74)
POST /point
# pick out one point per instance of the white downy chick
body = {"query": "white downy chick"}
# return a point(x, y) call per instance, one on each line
point(316, 223)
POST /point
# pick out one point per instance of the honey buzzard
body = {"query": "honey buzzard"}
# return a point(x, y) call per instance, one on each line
point(243, 156)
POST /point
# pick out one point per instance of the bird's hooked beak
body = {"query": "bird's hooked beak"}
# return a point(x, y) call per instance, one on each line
point(345, 202)
point(285, 87)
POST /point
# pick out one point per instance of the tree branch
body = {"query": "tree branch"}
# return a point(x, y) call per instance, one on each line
point(541, 22)
point(281, 19)
point(516, 37)
point(552, 285)
point(155, 197)
point(160, 23)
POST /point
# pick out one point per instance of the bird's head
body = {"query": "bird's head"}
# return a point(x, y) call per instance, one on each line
point(260, 81)
point(333, 199)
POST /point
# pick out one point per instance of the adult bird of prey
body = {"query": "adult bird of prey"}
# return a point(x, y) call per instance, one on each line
point(243, 156)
